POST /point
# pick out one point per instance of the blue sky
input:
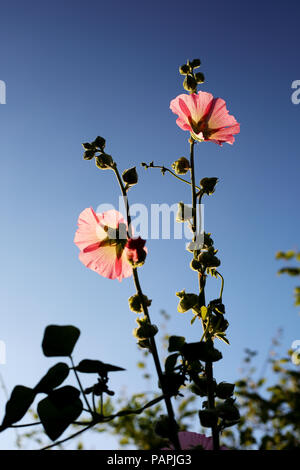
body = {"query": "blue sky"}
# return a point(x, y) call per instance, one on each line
point(74, 70)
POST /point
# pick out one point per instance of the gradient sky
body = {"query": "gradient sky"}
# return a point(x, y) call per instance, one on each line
point(75, 70)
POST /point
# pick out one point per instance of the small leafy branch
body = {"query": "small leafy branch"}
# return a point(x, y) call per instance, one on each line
point(62, 406)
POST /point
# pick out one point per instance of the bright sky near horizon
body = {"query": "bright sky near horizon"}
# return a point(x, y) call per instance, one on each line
point(74, 70)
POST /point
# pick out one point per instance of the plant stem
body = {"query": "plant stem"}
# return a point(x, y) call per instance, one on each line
point(80, 386)
point(164, 169)
point(174, 437)
point(202, 281)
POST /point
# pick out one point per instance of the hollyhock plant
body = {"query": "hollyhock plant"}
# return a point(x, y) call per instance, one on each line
point(102, 240)
point(193, 440)
point(206, 117)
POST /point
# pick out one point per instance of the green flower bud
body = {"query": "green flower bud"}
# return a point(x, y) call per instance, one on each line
point(195, 265)
point(181, 166)
point(203, 351)
point(89, 154)
point(209, 260)
point(228, 411)
point(88, 146)
point(187, 301)
point(199, 76)
point(184, 69)
point(104, 161)
point(190, 84)
point(99, 142)
point(130, 176)
point(144, 343)
point(195, 63)
point(208, 241)
point(208, 418)
point(135, 303)
point(224, 390)
point(208, 185)
point(184, 212)
point(145, 329)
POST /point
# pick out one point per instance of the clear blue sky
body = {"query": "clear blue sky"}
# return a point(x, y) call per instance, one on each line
point(74, 70)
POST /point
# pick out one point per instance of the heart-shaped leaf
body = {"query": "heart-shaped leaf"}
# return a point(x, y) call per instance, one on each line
point(20, 400)
point(59, 340)
point(54, 377)
point(60, 409)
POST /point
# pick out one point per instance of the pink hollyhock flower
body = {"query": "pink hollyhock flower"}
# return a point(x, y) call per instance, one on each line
point(205, 117)
point(102, 240)
point(192, 440)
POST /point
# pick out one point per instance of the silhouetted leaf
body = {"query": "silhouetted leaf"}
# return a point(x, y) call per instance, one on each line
point(97, 367)
point(176, 343)
point(64, 395)
point(59, 340)
point(202, 351)
point(60, 409)
point(54, 377)
point(18, 404)
point(171, 362)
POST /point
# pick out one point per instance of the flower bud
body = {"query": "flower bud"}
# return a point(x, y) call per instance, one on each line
point(184, 69)
point(184, 212)
point(208, 241)
point(209, 260)
point(199, 76)
point(99, 142)
point(187, 301)
point(228, 411)
point(130, 176)
point(89, 154)
point(88, 146)
point(144, 343)
point(195, 63)
point(190, 84)
point(208, 418)
point(145, 329)
point(135, 303)
point(181, 166)
point(224, 390)
point(195, 265)
point(208, 185)
point(104, 161)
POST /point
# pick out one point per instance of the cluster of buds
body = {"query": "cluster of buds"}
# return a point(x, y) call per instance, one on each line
point(144, 331)
point(192, 79)
point(206, 259)
point(136, 303)
point(95, 150)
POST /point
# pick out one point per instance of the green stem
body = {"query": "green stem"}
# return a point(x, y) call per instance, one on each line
point(164, 169)
point(222, 285)
point(80, 386)
point(154, 351)
point(202, 281)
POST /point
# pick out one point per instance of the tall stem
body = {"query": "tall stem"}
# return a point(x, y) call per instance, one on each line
point(202, 281)
point(174, 436)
